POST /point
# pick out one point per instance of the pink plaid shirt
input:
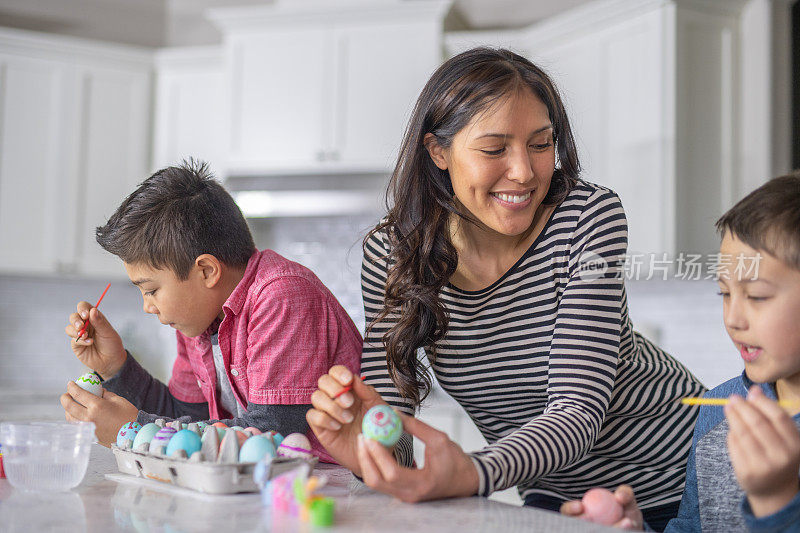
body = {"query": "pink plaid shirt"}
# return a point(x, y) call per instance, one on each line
point(282, 330)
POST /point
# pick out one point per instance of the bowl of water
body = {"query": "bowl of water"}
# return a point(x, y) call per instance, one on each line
point(49, 456)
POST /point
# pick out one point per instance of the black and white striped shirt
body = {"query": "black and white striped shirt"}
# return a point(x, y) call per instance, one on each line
point(546, 363)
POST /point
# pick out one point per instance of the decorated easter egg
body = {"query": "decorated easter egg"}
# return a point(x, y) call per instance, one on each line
point(295, 445)
point(242, 436)
point(161, 439)
point(276, 437)
point(146, 434)
point(90, 382)
point(185, 440)
point(221, 428)
point(128, 432)
point(237, 428)
point(255, 448)
point(202, 426)
point(253, 431)
point(382, 424)
point(601, 507)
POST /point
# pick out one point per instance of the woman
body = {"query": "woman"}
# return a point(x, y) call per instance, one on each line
point(505, 267)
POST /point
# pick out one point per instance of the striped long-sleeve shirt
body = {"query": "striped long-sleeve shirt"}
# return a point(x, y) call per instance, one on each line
point(546, 363)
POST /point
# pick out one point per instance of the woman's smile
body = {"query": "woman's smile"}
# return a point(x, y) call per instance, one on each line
point(513, 201)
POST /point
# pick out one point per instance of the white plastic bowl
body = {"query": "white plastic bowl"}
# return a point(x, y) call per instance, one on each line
point(50, 456)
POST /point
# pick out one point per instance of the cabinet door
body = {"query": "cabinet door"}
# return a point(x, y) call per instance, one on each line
point(384, 68)
point(282, 87)
point(191, 118)
point(613, 86)
point(29, 164)
point(117, 118)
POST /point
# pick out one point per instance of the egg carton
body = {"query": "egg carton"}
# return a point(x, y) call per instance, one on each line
point(208, 477)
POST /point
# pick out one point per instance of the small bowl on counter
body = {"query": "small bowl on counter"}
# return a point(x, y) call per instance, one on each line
point(46, 456)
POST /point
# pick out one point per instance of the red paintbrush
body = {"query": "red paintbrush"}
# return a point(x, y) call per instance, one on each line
point(86, 324)
point(346, 389)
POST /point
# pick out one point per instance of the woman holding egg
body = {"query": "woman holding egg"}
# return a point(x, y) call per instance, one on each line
point(505, 267)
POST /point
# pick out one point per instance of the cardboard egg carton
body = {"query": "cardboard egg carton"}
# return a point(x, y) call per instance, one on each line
point(208, 477)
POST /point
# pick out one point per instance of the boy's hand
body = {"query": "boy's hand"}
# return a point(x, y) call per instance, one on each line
point(631, 515)
point(100, 348)
point(337, 422)
point(108, 413)
point(764, 446)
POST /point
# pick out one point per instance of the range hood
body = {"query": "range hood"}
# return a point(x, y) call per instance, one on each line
point(308, 195)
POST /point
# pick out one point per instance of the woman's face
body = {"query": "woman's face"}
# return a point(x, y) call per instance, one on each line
point(502, 162)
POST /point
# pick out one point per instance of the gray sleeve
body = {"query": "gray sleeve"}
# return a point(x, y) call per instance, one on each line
point(284, 419)
point(136, 385)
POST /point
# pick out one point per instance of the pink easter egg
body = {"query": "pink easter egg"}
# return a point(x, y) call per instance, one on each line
point(601, 507)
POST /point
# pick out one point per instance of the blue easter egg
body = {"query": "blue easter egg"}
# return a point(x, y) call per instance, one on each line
point(255, 448)
point(382, 424)
point(277, 438)
point(185, 440)
point(128, 432)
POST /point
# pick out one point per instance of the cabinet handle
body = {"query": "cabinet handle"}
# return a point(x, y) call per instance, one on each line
point(321, 155)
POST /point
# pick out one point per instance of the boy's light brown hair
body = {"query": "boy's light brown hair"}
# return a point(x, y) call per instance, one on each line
point(768, 219)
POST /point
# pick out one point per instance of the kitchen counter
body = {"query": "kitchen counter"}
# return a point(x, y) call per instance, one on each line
point(124, 504)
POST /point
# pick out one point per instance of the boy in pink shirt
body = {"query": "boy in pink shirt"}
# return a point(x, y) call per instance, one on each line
point(255, 331)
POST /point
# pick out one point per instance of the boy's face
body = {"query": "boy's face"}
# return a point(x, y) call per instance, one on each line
point(186, 305)
point(761, 314)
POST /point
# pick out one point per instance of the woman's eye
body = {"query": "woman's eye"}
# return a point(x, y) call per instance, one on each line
point(494, 152)
point(757, 298)
point(543, 146)
point(723, 294)
point(150, 293)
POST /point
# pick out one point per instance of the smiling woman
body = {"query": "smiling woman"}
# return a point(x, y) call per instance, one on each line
point(504, 266)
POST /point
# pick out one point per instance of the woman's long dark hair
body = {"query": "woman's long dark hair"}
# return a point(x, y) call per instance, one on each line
point(420, 200)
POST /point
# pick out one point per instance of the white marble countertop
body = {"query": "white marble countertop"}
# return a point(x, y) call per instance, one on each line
point(101, 504)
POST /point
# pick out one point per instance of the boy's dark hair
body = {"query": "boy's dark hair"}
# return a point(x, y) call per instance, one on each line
point(768, 219)
point(174, 216)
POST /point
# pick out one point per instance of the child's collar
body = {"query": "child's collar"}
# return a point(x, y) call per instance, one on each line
point(767, 388)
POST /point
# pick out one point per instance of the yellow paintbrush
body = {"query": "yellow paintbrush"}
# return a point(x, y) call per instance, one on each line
point(788, 404)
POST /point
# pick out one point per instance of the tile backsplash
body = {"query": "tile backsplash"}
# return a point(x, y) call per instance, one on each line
point(684, 317)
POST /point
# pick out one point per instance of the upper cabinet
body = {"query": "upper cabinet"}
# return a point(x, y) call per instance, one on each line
point(653, 90)
point(75, 120)
point(191, 106)
point(328, 87)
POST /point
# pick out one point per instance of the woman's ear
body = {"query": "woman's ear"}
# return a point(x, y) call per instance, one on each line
point(435, 150)
point(210, 268)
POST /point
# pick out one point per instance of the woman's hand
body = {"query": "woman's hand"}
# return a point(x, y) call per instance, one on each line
point(764, 447)
point(108, 412)
point(448, 471)
point(337, 422)
point(631, 515)
point(100, 348)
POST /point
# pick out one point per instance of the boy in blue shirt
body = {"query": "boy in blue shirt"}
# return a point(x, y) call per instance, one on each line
point(744, 465)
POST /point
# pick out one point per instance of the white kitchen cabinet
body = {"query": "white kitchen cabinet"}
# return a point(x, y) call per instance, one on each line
point(653, 92)
point(75, 123)
point(191, 113)
point(326, 87)
point(29, 215)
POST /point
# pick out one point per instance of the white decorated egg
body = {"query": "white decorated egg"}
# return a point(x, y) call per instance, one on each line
point(295, 445)
point(90, 382)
